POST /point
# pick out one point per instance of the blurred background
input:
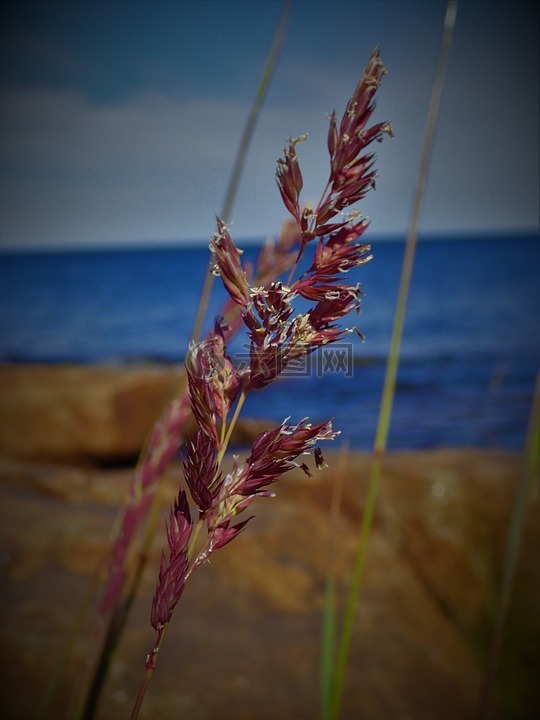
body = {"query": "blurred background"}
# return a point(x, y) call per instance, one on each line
point(120, 122)
point(119, 126)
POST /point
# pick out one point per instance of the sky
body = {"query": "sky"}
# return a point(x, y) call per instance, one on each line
point(120, 121)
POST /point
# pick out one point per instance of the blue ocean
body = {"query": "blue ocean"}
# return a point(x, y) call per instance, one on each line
point(470, 351)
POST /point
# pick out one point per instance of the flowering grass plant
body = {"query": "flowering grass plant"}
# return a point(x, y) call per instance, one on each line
point(204, 515)
point(208, 512)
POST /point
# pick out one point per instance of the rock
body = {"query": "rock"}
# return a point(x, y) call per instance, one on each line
point(78, 413)
point(88, 414)
point(244, 641)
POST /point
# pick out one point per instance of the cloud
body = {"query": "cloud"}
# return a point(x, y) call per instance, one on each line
point(65, 130)
point(149, 167)
point(155, 164)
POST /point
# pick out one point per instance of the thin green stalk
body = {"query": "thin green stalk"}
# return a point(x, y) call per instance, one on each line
point(328, 639)
point(114, 631)
point(225, 444)
point(513, 543)
point(119, 617)
point(328, 643)
point(53, 686)
point(245, 142)
point(385, 411)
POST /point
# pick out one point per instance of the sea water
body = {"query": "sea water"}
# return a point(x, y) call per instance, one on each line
point(469, 355)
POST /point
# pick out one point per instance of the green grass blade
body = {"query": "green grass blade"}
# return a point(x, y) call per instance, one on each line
point(529, 474)
point(328, 644)
point(391, 369)
point(249, 129)
point(245, 142)
point(328, 636)
point(117, 623)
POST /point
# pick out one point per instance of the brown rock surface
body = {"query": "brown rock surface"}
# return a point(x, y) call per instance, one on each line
point(74, 413)
point(244, 641)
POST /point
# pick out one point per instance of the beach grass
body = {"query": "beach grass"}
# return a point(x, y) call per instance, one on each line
point(191, 539)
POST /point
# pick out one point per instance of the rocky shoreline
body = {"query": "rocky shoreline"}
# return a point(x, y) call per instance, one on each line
point(244, 642)
point(86, 414)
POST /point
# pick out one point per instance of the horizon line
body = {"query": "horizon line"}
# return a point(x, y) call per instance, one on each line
point(250, 241)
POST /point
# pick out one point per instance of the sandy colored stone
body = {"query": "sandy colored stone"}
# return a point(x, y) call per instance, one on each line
point(92, 414)
point(54, 412)
point(244, 642)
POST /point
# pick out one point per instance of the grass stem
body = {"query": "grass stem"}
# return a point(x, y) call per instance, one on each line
point(234, 419)
point(388, 394)
point(116, 623)
point(149, 671)
point(328, 640)
point(120, 615)
point(240, 161)
point(530, 472)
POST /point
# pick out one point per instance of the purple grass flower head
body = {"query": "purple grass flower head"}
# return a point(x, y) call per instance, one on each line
point(273, 453)
point(353, 136)
point(201, 470)
point(201, 373)
point(289, 178)
point(223, 533)
point(213, 381)
point(338, 255)
point(273, 305)
point(335, 303)
point(277, 336)
point(276, 340)
point(228, 265)
point(352, 173)
point(267, 321)
point(172, 573)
